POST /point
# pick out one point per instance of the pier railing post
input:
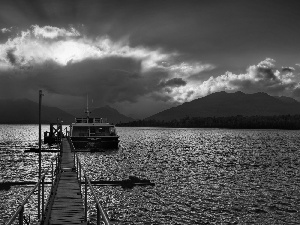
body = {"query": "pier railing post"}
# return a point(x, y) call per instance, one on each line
point(61, 144)
point(56, 164)
point(85, 201)
point(21, 216)
point(43, 192)
point(19, 213)
point(79, 174)
point(73, 149)
point(39, 201)
point(98, 215)
point(59, 163)
point(52, 173)
point(77, 167)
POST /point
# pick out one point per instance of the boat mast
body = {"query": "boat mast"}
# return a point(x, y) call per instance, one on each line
point(87, 107)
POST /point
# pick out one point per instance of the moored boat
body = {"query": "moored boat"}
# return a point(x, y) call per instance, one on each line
point(95, 134)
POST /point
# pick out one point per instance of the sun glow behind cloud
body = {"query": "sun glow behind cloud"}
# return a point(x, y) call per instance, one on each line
point(53, 32)
point(40, 44)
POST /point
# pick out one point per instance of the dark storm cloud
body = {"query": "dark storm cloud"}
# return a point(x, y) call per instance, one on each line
point(174, 82)
point(189, 94)
point(287, 69)
point(12, 86)
point(252, 86)
point(107, 80)
point(11, 57)
point(161, 97)
point(265, 73)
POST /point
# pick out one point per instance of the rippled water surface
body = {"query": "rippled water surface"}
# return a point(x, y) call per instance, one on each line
point(16, 165)
point(202, 176)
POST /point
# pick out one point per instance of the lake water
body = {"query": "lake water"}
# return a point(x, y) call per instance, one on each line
point(201, 176)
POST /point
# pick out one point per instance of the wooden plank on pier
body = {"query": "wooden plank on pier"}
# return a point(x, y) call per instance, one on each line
point(67, 206)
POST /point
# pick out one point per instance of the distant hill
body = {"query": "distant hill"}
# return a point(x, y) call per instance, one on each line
point(112, 115)
point(222, 104)
point(24, 111)
point(286, 99)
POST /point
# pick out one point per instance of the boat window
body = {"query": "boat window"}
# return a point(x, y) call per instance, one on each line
point(101, 131)
point(80, 131)
point(112, 131)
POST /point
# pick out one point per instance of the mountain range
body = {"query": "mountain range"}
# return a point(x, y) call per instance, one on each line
point(112, 115)
point(24, 111)
point(220, 104)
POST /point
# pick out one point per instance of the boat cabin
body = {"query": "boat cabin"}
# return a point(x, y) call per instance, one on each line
point(90, 127)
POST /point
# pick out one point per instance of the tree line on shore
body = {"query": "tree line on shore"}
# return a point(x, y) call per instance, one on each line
point(291, 122)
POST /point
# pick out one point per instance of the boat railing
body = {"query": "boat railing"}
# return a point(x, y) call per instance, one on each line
point(101, 214)
point(90, 120)
point(81, 120)
point(40, 185)
point(100, 120)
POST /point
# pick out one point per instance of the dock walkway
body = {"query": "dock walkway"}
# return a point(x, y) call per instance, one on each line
point(67, 206)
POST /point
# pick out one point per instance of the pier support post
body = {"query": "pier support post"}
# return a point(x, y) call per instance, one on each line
point(85, 201)
point(79, 174)
point(39, 201)
point(21, 216)
point(77, 168)
point(98, 215)
point(52, 172)
point(56, 165)
point(43, 192)
point(73, 149)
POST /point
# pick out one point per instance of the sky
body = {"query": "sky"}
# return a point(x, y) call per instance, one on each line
point(144, 56)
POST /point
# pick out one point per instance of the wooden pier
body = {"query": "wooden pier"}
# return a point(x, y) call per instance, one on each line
point(66, 203)
point(66, 206)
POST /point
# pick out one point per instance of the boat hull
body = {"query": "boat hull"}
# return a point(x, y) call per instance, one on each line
point(97, 143)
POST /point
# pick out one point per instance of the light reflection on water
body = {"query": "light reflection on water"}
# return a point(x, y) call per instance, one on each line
point(202, 175)
point(15, 165)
